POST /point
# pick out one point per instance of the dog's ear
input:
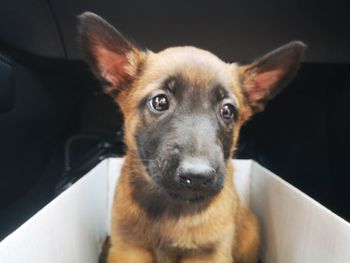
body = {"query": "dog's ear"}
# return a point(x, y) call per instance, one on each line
point(266, 76)
point(112, 58)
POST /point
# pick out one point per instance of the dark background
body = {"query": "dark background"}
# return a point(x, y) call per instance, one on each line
point(55, 122)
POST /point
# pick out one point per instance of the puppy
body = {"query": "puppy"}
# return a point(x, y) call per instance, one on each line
point(183, 109)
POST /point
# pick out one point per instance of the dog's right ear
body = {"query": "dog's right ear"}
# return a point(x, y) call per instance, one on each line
point(112, 58)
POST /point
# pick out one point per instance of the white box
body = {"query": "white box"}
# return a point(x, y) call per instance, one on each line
point(70, 229)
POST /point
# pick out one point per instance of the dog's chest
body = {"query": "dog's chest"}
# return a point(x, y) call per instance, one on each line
point(189, 233)
point(189, 238)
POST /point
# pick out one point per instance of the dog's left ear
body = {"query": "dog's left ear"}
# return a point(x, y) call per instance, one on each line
point(112, 58)
point(265, 77)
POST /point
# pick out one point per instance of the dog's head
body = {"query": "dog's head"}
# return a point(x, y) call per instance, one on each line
point(183, 107)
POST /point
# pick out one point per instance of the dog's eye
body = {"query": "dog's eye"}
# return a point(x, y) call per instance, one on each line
point(227, 112)
point(159, 103)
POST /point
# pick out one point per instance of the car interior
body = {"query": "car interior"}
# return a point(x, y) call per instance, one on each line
point(56, 123)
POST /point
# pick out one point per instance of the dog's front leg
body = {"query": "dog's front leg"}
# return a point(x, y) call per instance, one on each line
point(121, 252)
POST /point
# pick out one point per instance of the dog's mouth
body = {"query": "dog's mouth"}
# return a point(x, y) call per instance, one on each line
point(185, 189)
point(186, 198)
point(191, 195)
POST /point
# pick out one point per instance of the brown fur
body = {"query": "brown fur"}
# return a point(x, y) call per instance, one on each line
point(220, 229)
point(206, 237)
point(212, 235)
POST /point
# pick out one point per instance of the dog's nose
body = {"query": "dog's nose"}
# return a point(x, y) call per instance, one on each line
point(195, 174)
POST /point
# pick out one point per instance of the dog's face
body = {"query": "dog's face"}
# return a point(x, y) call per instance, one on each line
point(188, 114)
point(183, 107)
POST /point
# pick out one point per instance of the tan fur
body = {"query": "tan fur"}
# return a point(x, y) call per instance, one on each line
point(213, 229)
point(229, 231)
point(217, 225)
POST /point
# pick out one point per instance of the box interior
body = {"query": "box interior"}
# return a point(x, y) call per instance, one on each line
point(72, 227)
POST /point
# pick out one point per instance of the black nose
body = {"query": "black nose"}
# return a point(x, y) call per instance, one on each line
point(196, 174)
